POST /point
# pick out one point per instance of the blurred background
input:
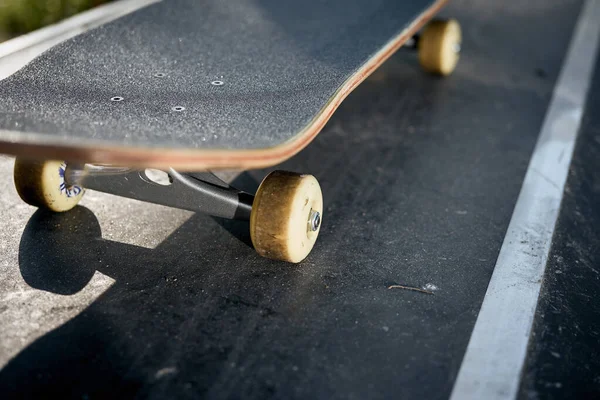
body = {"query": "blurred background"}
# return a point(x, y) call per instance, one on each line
point(22, 16)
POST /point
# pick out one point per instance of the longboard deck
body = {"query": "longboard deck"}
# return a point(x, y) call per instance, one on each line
point(202, 85)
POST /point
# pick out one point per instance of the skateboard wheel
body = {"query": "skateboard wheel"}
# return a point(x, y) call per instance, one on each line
point(286, 216)
point(42, 184)
point(439, 46)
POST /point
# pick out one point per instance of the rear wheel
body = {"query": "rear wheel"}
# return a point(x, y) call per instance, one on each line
point(439, 46)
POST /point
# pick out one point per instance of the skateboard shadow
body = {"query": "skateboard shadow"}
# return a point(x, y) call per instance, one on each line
point(156, 294)
point(58, 253)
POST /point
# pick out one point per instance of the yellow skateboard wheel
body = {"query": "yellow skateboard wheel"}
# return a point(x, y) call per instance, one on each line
point(42, 184)
point(286, 216)
point(439, 46)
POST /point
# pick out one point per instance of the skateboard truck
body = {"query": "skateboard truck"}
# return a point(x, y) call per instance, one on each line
point(198, 192)
point(285, 214)
point(412, 43)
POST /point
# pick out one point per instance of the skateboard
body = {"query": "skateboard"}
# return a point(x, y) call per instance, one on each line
point(150, 105)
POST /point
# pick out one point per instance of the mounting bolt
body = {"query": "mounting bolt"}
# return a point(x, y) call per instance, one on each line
point(314, 220)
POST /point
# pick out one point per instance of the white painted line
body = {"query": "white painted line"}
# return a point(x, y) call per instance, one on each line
point(17, 52)
point(495, 356)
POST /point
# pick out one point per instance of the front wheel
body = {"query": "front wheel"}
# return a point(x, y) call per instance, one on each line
point(286, 216)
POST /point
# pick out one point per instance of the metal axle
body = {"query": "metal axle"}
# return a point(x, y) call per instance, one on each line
point(412, 43)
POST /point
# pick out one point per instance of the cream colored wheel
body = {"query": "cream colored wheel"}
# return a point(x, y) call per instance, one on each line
point(286, 216)
point(42, 184)
point(439, 46)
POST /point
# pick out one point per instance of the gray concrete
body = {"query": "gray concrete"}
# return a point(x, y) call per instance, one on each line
point(497, 349)
point(561, 361)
